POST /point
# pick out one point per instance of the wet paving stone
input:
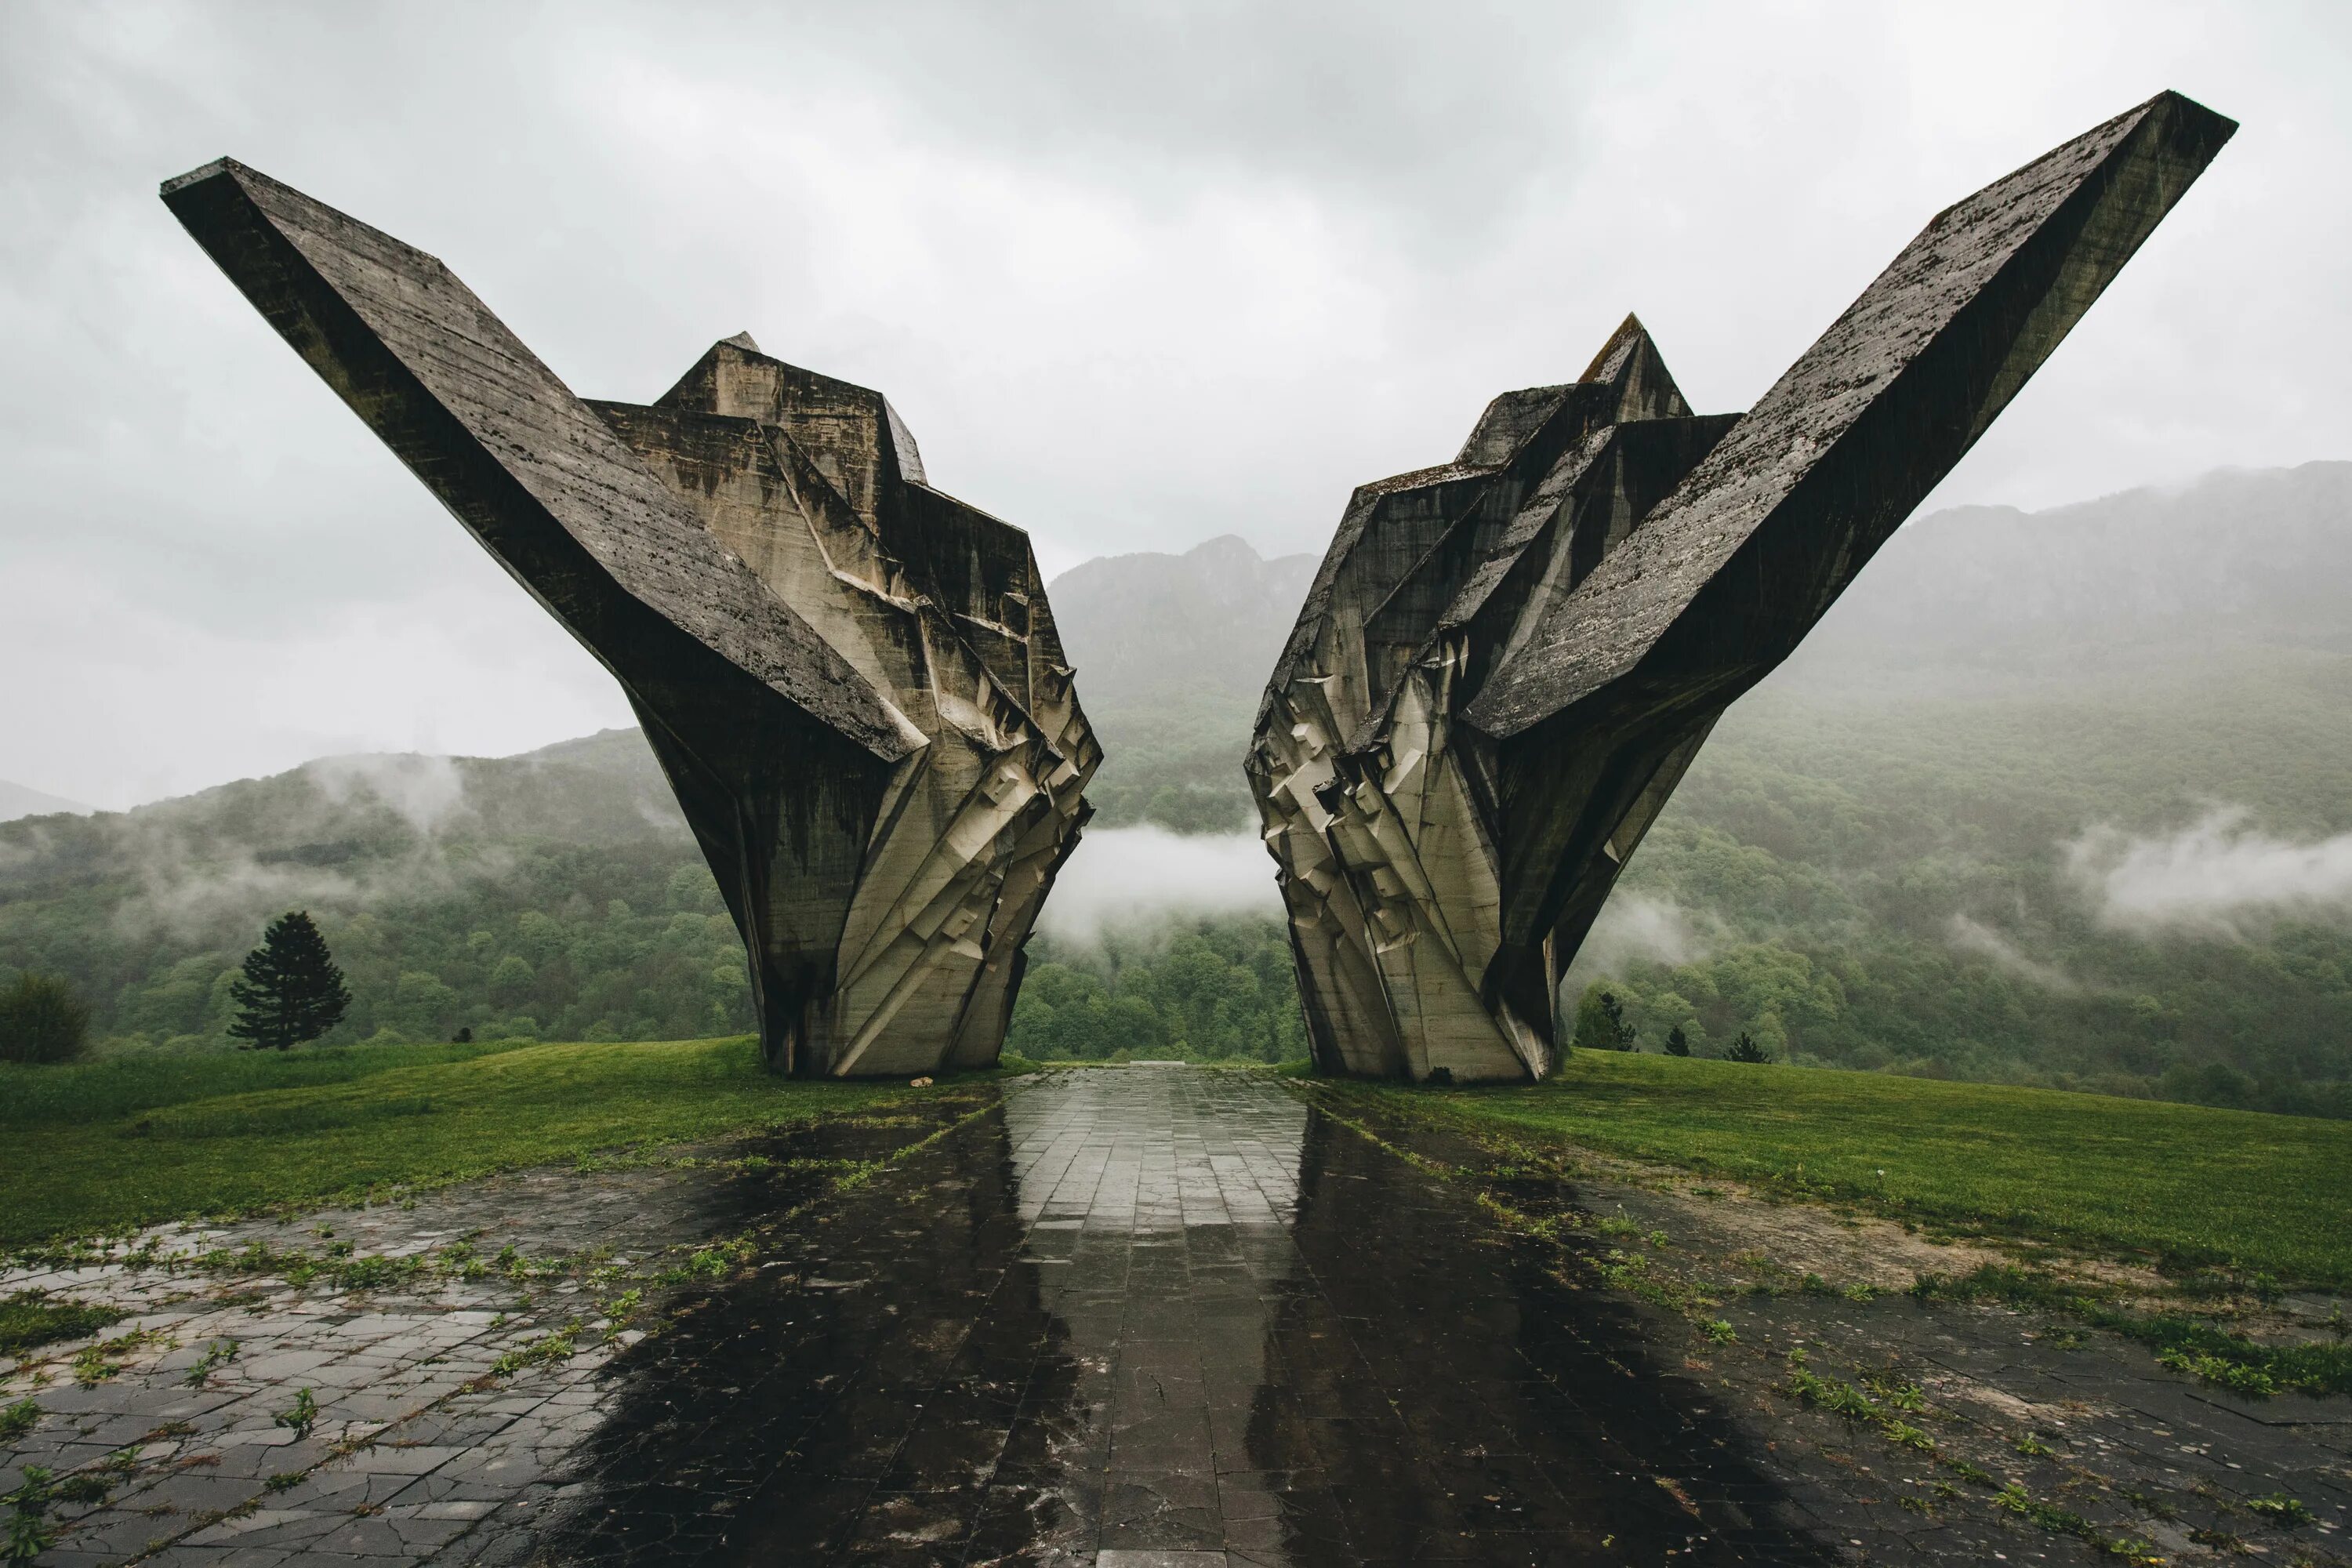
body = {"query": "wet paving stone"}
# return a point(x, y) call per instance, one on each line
point(1158, 1315)
point(451, 1345)
point(1131, 1318)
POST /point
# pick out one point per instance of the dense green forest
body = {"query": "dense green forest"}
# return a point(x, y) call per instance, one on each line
point(2033, 887)
point(1198, 987)
point(556, 895)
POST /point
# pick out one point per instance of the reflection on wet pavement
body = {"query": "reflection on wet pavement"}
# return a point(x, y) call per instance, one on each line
point(1156, 1316)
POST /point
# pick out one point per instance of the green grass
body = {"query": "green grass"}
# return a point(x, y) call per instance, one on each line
point(28, 1318)
point(2184, 1185)
point(112, 1149)
point(82, 1091)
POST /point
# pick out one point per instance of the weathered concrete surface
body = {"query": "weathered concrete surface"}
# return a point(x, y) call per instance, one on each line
point(1506, 662)
point(851, 680)
point(1135, 1316)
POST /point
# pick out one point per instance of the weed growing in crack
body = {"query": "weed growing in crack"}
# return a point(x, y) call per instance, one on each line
point(561, 1345)
point(621, 1311)
point(30, 1531)
point(1974, 1475)
point(17, 1420)
point(1895, 1393)
point(217, 1354)
point(2281, 1508)
point(301, 1416)
point(1904, 1435)
point(715, 1261)
point(2223, 1372)
point(96, 1364)
point(1827, 1392)
point(2014, 1498)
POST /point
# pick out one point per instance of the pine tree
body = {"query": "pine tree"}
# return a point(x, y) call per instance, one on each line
point(1678, 1042)
point(1746, 1049)
point(1614, 1011)
point(291, 990)
point(1601, 1022)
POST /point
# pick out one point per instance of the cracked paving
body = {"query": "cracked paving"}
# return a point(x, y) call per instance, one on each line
point(1135, 1317)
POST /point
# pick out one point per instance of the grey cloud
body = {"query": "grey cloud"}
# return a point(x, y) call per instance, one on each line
point(1137, 275)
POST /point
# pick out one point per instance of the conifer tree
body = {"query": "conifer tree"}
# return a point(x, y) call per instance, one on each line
point(1601, 1022)
point(1746, 1049)
point(290, 991)
point(1678, 1042)
point(1623, 1032)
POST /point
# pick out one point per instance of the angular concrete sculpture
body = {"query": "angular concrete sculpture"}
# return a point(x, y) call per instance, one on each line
point(1506, 662)
point(851, 680)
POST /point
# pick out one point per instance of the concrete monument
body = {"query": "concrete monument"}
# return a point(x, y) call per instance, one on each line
point(851, 680)
point(1506, 662)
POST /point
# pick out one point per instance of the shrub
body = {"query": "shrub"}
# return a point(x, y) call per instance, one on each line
point(41, 1020)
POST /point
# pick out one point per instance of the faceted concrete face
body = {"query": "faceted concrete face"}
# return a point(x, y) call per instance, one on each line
point(1506, 662)
point(851, 680)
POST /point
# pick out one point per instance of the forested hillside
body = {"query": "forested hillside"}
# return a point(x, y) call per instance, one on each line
point(2091, 886)
point(1172, 651)
point(556, 895)
point(2060, 797)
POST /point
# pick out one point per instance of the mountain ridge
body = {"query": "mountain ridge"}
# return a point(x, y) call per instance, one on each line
point(22, 800)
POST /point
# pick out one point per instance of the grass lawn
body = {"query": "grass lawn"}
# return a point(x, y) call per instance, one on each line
point(2183, 1183)
point(85, 1150)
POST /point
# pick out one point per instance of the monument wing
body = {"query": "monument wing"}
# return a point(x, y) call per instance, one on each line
point(851, 678)
point(545, 485)
point(1506, 662)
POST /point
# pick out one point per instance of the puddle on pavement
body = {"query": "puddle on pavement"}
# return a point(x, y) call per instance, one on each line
point(1154, 1310)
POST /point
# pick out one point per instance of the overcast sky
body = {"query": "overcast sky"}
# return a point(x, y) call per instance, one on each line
point(1137, 276)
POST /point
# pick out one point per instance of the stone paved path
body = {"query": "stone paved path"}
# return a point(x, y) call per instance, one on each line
point(1140, 1317)
point(1159, 1316)
point(451, 1348)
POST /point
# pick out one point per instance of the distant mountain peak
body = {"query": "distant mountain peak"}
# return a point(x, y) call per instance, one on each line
point(1226, 549)
point(17, 800)
point(1206, 623)
point(2262, 555)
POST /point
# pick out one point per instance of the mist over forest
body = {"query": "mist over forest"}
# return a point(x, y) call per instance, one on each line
point(2060, 797)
